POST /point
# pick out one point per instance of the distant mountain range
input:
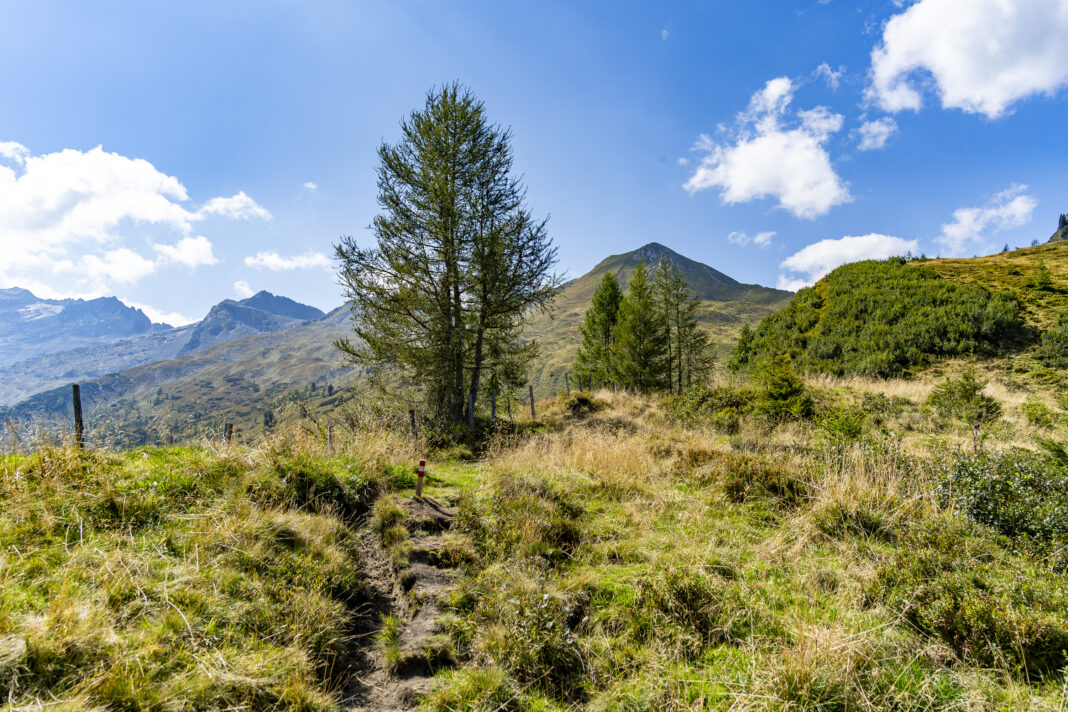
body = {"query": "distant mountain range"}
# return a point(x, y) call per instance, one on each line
point(45, 343)
point(246, 356)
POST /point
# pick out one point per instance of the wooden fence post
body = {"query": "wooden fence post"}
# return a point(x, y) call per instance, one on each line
point(493, 406)
point(411, 417)
point(228, 433)
point(509, 395)
point(79, 426)
point(330, 438)
point(531, 402)
point(567, 382)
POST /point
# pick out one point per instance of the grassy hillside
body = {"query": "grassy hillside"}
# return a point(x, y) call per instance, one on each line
point(618, 554)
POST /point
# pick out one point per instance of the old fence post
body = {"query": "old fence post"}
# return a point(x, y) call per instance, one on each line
point(493, 406)
point(330, 438)
point(567, 382)
point(411, 417)
point(531, 402)
point(509, 394)
point(228, 433)
point(79, 426)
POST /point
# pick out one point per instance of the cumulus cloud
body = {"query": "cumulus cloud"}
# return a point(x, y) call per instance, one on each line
point(243, 290)
point(981, 56)
point(276, 262)
point(65, 215)
point(971, 227)
point(761, 239)
point(311, 186)
point(833, 77)
point(237, 207)
point(189, 251)
point(876, 133)
point(813, 262)
point(773, 154)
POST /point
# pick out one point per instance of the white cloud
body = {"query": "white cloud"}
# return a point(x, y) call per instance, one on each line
point(161, 317)
point(773, 155)
point(274, 261)
point(970, 227)
point(813, 262)
point(64, 217)
point(833, 77)
point(311, 186)
point(876, 133)
point(237, 207)
point(664, 34)
point(189, 251)
point(243, 290)
point(682, 161)
point(121, 266)
point(14, 151)
point(981, 56)
point(761, 239)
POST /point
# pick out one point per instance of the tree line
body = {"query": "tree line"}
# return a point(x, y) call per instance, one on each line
point(648, 339)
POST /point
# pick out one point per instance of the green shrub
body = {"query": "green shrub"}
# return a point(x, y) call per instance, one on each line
point(1037, 413)
point(996, 609)
point(782, 394)
point(843, 425)
point(1019, 494)
point(882, 319)
point(1053, 349)
point(701, 401)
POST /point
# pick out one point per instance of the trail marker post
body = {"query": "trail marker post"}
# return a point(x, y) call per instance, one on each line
point(531, 402)
point(421, 472)
point(79, 426)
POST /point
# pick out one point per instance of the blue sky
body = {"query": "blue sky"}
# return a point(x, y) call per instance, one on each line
point(175, 154)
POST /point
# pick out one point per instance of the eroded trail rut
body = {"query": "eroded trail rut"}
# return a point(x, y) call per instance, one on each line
point(413, 595)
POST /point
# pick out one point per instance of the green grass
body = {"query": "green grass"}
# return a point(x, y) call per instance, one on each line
point(177, 578)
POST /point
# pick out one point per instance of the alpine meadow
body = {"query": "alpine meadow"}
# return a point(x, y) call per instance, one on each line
point(552, 358)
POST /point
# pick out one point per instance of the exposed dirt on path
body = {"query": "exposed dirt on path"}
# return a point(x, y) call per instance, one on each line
point(413, 594)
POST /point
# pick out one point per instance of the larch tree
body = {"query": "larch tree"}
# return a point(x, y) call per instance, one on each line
point(594, 360)
point(459, 265)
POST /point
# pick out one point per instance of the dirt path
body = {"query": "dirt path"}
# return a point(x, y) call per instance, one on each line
point(412, 595)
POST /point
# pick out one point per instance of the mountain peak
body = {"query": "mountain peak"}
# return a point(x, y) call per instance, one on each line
point(281, 306)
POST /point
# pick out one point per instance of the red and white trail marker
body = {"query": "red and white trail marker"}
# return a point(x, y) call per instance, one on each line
point(419, 483)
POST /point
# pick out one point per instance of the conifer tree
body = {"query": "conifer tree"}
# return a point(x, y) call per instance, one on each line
point(639, 354)
point(594, 360)
point(689, 349)
point(460, 262)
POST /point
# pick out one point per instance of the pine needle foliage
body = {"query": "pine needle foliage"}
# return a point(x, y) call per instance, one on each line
point(594, 360)
point(640, 351)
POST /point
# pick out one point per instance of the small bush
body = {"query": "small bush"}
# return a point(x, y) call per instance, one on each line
point(1037, 413)
point(700, 402)
point(1022, 495)
point(843, 425)
point(581, 403)
point(1053, 349)
point(782, 395)
point(993, 608)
